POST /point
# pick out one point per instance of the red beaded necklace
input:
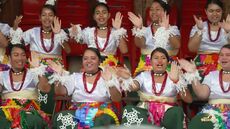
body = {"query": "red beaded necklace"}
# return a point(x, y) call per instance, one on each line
point(209, 33)
point(42, 42)
point(221, 82)
point(94, 83)
point(154, 85)
point(106, 42)
point(11, 80)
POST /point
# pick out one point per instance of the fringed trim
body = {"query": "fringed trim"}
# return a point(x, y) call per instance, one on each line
point(161, 36)
point(189, 77)
point(38, 71)
point(16, 35)
point(126, 83)
point(139, 32)
point(181, 85)
point(111, 60)
point(114, 82)
point(61, 37)
point(78, 36)
point(215, 117)
point(59, 78)
point(50, 2)
point(119, 33)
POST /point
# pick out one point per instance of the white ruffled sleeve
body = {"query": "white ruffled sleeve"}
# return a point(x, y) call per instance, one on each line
point(174, 31)
point(27, 36)
point(5, 29)
point(70, 83)
point(208, 79)
point(88, 36)
point(139, 79)
point(61, 37)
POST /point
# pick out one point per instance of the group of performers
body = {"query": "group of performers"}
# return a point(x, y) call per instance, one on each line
point(28, 86)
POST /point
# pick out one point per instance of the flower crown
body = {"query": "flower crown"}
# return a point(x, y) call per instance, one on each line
point(102, 1)
point(50, 2)
point(166, 2)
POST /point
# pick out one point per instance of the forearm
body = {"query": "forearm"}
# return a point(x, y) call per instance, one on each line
point(175, 42)
point(194, 42)
point(3, 40)
point(115, 94)
point(123, 46)
point(140, 42)
point(43, 84)
point(60, 90)
point(66, 47)
point(201, 91)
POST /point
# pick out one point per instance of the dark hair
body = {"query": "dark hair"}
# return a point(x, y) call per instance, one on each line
point(225, 46)
point(161, 50)
point(50, 7)
point(11, 46)
point(95, 50)
point(100, 4)
point(217, 2)
point(165, 6)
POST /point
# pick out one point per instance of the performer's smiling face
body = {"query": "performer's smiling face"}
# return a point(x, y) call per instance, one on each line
point(101, 15)
point(156, 12)
point(18, 58)
point(159, 62)
point(224, 58)
point(90, 61)
point(214, 13)
point(47, 17)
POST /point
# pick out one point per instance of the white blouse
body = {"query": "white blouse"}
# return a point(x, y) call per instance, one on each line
point(150, 41)
point(29, 83)
point(206, 44)
point(75, 87)
point(145, 81)
point(89, 39)
point(212, 81)
point(5, 29)
point(32, 37)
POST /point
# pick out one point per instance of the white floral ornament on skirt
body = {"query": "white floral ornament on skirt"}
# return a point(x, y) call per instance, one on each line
point(132, 117)
point(66, 120)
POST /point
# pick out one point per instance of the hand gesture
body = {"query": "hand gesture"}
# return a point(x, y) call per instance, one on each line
point(73, 30)
point(106, 74)
point(174, 72)
point(57, 67)
point(17, 21)
point(187, 66)
point(136, 20)
point(123, 72)
point(164, 22)
point(117, 21)
point(35, 60)
point(56, 27)
point(226, 24)
point(199, 22)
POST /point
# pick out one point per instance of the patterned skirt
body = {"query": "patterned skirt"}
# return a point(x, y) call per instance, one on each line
point(20, 112)
point(86, 115)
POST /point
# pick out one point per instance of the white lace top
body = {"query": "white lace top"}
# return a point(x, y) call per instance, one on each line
point(89, 39)
point(212, 81)
point(32, 37)
point(145, 81)
point(206, 44)
point(75, 87)
point(150, 41)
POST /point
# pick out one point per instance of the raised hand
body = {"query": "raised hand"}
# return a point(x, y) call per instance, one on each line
point(73, 30)
point(187, 66)
point(174, 72)
point(136, 20)
point(117, 21)
point(106, 74)
point(56, 27)
point(17, 21)
point(226, 24)
point(123, 72)
point(57, 67)
point(199, 22)
point(164, 22)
